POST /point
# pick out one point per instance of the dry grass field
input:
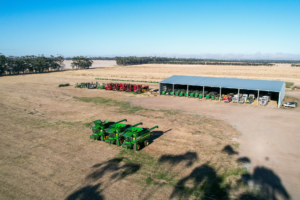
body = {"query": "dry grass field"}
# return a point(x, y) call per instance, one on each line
point(45, 151)
point(160, 72)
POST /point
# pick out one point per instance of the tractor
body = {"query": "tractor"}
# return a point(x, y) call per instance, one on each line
point(122, 87)
point(168, 92)
point(115, 135)
point(145, 88)
point(129, 87)
point(182, 92)
point(100, 128)
point(137, 87)
point(136, 137)
point(108, 86)
point(91, 85)
point(177, 92)
point(207, 96)
point(192, 93)
point(196, 94)
point(101, 86)
point(115, 86)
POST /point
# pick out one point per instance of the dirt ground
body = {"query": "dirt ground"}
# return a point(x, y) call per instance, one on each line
point(198, 151)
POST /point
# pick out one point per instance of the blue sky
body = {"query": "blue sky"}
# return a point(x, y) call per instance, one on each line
point(177, 28)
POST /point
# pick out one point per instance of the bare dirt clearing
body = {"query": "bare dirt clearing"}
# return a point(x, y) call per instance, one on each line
point(45, 152)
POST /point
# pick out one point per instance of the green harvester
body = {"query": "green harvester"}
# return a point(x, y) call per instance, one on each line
point(115, 135)
point(196, 94)
point(207, 96)
point(136, 137)
point(101, 127)
point(182, 92)
point(192, 93)
point(177, 92)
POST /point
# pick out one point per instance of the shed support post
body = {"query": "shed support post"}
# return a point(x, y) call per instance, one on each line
point(187, 91)
point(159, 88)
point(203, 93)
point(238, 95)
point(173, 90)
point(257, 97)
point(279, 100)
point(220, 94)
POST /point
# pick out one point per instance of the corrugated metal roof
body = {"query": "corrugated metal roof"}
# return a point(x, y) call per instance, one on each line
point(248, 84)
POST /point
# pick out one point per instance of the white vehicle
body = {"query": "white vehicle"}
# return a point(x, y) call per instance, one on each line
point(290, 104)
point(266, 97)
point(264, 101)
point(235, 99)
point(241, 100)
point(244, 97)
point(252, 95)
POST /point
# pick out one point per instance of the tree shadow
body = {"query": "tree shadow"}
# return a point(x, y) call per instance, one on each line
point(88, 192)
point(229, 150)
point(188, 157)
point(244, 160)
point(203, 182)
point(119, 170)
point(268, 183)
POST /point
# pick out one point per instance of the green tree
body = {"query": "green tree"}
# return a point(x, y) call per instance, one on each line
point(80, 62)
point(2, 64)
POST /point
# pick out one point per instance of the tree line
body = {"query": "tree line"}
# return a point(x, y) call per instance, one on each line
point(95, 58)
point(29, 64)
point(132, 60)
point(295, 65)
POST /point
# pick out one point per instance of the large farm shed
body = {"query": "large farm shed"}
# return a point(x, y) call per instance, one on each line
point(226, 85)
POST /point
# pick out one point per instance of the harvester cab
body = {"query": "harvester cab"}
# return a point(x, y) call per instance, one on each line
point(115, 134)
point(100, 128)
point(136, 137)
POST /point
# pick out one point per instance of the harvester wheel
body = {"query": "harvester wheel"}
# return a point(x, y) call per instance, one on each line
point(119, 142)
point(146, 143)
point(137, 146)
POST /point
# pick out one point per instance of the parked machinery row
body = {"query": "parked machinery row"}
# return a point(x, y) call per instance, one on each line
point(91, 85)
point(127, 87)
point(235, 98)
point(124, 135)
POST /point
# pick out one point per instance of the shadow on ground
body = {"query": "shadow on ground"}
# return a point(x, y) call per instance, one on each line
point(117, 171)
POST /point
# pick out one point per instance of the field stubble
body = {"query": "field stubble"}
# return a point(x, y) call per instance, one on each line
point(46, 153)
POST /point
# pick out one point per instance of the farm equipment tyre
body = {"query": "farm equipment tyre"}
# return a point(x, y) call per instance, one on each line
point(146, 143)
point(137, 146)
point(119, 142)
